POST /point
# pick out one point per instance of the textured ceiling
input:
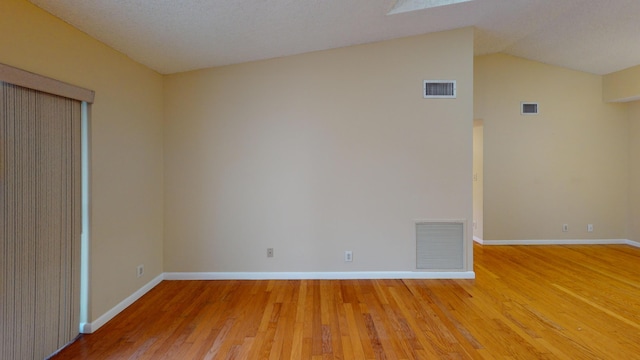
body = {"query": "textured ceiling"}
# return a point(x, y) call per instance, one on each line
point(179, 35)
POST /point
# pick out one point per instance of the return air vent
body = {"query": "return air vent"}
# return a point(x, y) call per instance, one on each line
point(440, 245)
point(528, 108)
point(439, 89)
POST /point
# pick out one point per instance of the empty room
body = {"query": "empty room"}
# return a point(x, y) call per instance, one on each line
point(354, 179)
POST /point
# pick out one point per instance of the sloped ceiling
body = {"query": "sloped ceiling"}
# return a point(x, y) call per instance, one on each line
point(179, 35)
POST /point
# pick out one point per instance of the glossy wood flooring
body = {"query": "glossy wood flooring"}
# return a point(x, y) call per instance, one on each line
point(527, 302)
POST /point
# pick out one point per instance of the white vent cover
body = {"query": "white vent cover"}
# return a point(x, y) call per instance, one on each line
point(403, 6)
point(528, 108)
point(439, 89)
point(440, 245)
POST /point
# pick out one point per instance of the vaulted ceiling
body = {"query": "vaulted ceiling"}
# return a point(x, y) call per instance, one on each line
point(179, 35)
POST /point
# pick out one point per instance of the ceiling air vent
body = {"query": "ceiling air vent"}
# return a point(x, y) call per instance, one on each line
point(528, 108)
point(439, 89)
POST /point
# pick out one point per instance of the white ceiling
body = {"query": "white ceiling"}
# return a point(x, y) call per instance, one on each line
point(179, 35)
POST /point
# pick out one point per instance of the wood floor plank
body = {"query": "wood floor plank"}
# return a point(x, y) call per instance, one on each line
point(537, 302)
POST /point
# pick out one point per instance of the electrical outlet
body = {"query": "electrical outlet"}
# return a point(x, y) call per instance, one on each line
point(140, 270)
point(270, 252)
point(348, 256)
point(590, 227)
point(565, 227)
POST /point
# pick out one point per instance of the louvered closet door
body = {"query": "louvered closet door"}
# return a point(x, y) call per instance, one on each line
point(40, 222)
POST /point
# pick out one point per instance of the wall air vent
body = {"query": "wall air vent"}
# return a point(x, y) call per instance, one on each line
point(529, 108)
point(440, 245)
point(439, 89)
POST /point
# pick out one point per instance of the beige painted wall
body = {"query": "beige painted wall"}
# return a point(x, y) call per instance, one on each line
point(623, 85)
point(478, 176)
point(567, 165)
point(126, 139)
point(634, 171)
point(317, 154)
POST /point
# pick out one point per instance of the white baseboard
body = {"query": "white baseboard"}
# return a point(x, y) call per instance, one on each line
point(633, 243)
point(349, 275)
point(88, 328)
point(561, 242)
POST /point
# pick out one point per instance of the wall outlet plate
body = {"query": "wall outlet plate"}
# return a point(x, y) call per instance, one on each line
point(348, 256)
point(140, 270)
point(269, 252)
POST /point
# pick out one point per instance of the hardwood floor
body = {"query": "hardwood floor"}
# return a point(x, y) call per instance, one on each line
point(527, 302)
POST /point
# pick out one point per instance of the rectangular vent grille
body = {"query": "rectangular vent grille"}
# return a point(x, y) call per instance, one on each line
point(440, 245)
point(528, 108)
point(439, 89)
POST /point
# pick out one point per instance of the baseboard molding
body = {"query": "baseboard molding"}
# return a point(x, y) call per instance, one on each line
point(561, 242)
point(88, 328)
point(349, 275)
point(633, 243)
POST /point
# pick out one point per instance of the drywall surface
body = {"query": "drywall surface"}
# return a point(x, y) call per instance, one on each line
point(126, 144)
point(567, 165)
point(634, 171)
point(478, 176)
point(623, 85)
point(316, 154)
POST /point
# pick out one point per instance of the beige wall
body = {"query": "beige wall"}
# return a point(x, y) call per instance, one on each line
point(478, 176)
point(317, 154)
point(634, 171)
point(126, 140)
point(567, 165)
point(623, 85)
